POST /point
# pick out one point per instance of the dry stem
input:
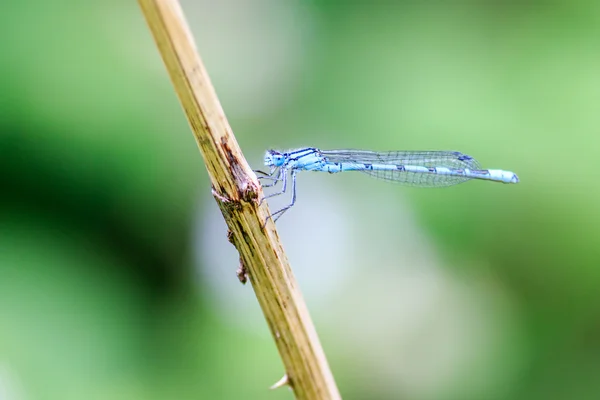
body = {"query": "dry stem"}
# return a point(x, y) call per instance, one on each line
point(237, 191)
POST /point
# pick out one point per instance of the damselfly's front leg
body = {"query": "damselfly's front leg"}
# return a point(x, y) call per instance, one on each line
point(282, 177)
point(269, 176)
point(279, 213)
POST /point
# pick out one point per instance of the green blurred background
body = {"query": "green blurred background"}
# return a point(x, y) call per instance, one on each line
point(116, 277)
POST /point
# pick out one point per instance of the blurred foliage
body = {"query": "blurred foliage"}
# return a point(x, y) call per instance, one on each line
point(102, 184)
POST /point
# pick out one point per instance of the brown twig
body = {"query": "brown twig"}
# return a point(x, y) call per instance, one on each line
point(237, 191)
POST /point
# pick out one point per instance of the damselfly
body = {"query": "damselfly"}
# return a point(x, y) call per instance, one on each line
point(414, 168)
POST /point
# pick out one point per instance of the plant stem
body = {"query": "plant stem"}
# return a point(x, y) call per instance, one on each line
point(237, 192)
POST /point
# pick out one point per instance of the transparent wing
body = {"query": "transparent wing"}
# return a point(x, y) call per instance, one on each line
point(452, 160)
